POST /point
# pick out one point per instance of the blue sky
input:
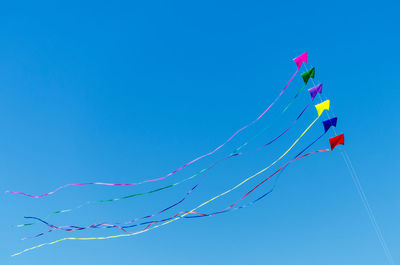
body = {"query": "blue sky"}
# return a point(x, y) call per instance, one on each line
point(126, 91)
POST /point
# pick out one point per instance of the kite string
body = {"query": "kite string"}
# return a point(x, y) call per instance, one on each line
point(362, 195)
point(367, 206)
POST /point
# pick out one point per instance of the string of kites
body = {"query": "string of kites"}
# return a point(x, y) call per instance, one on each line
point(150, 221)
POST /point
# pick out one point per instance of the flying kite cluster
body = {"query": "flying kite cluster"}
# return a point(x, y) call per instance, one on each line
point(152, 221)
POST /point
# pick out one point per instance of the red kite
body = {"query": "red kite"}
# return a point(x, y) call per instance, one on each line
point(334, 141)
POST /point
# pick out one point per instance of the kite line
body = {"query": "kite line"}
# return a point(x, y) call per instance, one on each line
point(364, 199)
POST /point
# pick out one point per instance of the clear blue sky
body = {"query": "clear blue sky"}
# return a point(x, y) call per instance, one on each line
point(125, 91)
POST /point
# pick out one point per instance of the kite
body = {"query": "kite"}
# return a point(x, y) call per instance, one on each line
point(315, 90)
point(322, 106)
point(307, 75)
point(299, 60)
point(335, 141)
